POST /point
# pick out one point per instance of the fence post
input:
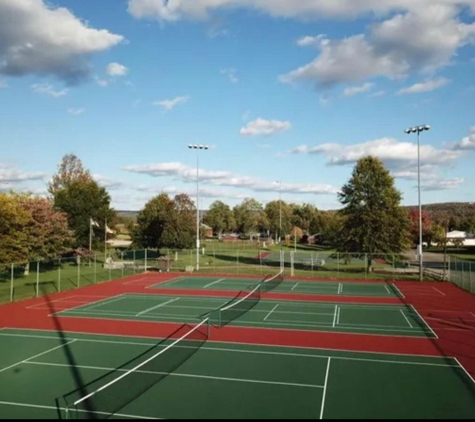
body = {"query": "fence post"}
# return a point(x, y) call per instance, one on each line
point(338, 264)
point(11, 282)
point(145, 259)
point(292, 263)
point(448, 270)
point(78, 262)
point(95, 268)
point(37, 278)
point(59, 274)
point(122, 255)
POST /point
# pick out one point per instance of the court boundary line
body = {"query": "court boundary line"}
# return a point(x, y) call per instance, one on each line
point(214, 282)
point(442, 293)
point(169, 319)
point(156, 306)
point(42, 406)
point(325, 388)
point(178, 374)
point(166, 282)
point(295, 285)
point(463, 368)
point(41, 330)
point(405, 317)
point(85, 304)
point(37, 355)
point(397, 288)
point(334, 315)
point(424, 321)
point(272, 310)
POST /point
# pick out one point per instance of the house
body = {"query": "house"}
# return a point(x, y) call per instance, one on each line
point(467, 239)
point(206, 230)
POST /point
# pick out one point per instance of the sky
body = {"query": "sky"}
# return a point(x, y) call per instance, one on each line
point(286, 94)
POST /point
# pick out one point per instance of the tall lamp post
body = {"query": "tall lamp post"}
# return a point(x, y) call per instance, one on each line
point(419, 129)
point(197, 148)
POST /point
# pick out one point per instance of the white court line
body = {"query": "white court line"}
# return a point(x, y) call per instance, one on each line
point(253, 345)
point(334, 315)
point(105, 302)
point(39, 406)
point(399, 291)
point(295, 285)
point(177, 374)
point(424, 321)
point(442, 293)
point(387, 289)
point(101, 301)
point(214, 282)
point(338, 316)
point(471, 378)
point(325, 388)
point(471, 313)
point(272, 310)
point(157, 306)
point(35, 356)
point(166, 282)
point(138, 280)
point(340, 288)
point(405, 317)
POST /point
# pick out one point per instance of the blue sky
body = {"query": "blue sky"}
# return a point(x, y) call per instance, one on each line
point(281, 90)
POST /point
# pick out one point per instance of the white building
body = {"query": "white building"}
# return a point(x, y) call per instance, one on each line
point(468, 238)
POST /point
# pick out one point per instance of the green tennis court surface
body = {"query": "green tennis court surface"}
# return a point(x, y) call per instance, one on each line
point(300, 287)
point(225, 380)
point(295, 315)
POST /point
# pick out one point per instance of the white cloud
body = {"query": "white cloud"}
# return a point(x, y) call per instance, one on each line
point(309, 40)
point(3, 84)
point(11, 175)
point(116, 69)
point(231, 74)
point(75, 111)
point(36, 38)
point(224, 178)
point(377, 93)
point(427, 86)
point(399, 157)
point(48, 90)
point(349, 92)
point(422, 39)
point(467, 143)
point(169, 104)
point(108, 183)
point(169, 10)
point(265, 127)
point(442, 184)
point(101, 82)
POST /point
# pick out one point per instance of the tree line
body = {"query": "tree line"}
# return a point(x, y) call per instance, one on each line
point(371, 220)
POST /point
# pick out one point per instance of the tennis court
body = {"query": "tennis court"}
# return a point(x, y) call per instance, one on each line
point(256, 312)
point(44, 370)
point(298, 286)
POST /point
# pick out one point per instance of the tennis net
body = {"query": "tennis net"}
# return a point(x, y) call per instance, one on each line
point(238, 306)
point(269, 284)
point(108, 394)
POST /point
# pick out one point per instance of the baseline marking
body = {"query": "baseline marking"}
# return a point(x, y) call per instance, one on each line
point(405, 317)
point(39, 406)
point(35, 356)
point(157, 306)
point(325, 388)
point(387, 289)
point(214, 282)
point(442, 293)
point(272, 310)
point(334, 315)
point(424, 321)
point(295, 285)
point(399, 291)
point(177, 374)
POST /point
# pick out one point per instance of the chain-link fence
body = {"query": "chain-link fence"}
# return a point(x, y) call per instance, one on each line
point(26, 280)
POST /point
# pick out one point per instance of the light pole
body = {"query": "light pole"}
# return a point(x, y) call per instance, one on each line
point(280, 211)
point(198, 148)
point(418, 129)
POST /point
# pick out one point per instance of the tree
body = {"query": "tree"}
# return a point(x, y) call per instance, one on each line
point(151, 221)
point(69, 170)
point(47, 228)
point(81, 200)
point(306, 217)
point(413, 216)
point(249, 216)
point(279, 218)
point(180, 226)
point(14, 244)
point(220, 218)
point(374, 222)
point(166, 223)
